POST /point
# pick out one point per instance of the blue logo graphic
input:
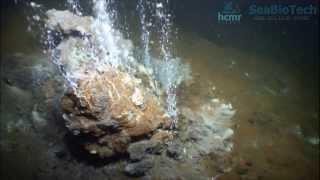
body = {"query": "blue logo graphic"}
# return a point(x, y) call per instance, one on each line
point(230, 13)
point(280, 11)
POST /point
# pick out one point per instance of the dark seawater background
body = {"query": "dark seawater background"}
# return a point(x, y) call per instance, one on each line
point(268, 70)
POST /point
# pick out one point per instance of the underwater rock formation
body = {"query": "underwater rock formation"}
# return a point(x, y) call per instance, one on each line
point(115, 105)
point(107, 107)
point(211, 129)
point(67, 22)
point(103, 107)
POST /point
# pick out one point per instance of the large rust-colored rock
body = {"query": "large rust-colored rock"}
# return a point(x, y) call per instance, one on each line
point(112, 100)
point(114, 108)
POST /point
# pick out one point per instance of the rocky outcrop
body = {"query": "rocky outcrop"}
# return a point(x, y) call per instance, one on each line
point(106, 106)
point(67, 22)
point(102, 106)
point(209, 130)
point(116, 108)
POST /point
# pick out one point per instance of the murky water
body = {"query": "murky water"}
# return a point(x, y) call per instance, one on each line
point(270, 74)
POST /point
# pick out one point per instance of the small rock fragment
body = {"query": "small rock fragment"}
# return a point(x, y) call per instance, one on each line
point(140, 150)
point(174, 150)
point(139, 168)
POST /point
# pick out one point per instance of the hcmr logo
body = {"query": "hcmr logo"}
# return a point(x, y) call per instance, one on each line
point(230, 13)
